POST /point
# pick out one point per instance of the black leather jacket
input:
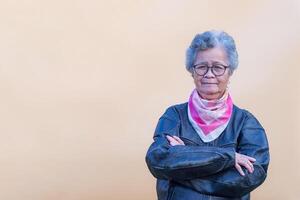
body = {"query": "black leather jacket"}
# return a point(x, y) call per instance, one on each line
point(201, 170)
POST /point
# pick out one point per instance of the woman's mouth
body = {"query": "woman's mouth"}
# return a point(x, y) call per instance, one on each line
point(208, 83)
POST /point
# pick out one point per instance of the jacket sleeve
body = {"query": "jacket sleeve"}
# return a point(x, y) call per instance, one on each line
point(252, 142)
point(183, 162)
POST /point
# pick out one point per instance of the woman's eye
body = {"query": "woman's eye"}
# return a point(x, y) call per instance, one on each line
point(201, 67)
point(217, 67)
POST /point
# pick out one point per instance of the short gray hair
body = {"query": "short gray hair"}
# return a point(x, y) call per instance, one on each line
point(211, 39)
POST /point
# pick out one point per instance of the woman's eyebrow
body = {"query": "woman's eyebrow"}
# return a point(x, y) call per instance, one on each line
point(203, 62)
point(214, 62)
point(218, 62)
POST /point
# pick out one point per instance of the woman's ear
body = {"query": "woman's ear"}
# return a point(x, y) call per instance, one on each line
point(192, 74)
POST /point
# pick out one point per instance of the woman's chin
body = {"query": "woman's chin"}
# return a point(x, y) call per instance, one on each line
point(209, 90)
point(209, 94)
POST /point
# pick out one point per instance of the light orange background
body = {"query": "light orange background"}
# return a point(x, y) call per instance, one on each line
point(83, 83)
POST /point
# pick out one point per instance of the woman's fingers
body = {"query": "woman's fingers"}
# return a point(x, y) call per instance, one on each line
point(173, 140)
point(250, 158)
point(178, 139)
point(245, 161)
point(239, 169)
point(248, 165)
point(170, 139)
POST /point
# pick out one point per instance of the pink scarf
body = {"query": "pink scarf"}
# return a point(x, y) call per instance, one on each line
point(209, 117)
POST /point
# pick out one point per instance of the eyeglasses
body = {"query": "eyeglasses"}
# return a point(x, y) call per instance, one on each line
point(216, 69)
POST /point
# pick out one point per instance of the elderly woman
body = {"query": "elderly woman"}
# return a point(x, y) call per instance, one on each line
point(208, 148)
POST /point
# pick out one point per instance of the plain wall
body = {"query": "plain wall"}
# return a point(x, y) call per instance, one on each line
point(83, 83)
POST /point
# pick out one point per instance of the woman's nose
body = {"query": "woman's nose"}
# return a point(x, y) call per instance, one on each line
point(209, 73)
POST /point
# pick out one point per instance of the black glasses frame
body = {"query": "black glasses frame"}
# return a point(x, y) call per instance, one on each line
point(212, 69)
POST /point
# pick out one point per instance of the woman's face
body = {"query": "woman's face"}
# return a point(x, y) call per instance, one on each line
point(210, 86)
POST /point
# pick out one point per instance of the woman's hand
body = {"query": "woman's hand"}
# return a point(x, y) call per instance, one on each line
point(245, 161)
point(174, 140)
